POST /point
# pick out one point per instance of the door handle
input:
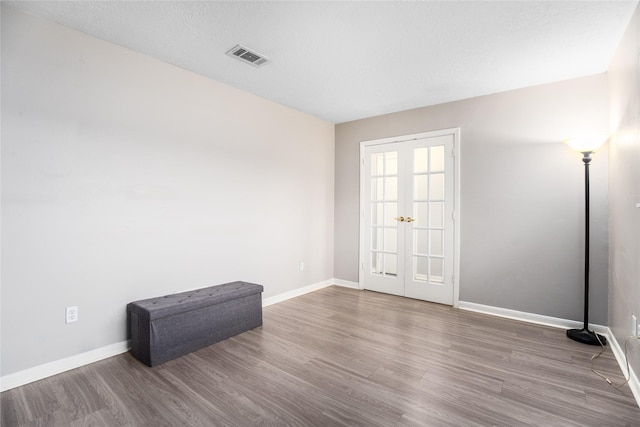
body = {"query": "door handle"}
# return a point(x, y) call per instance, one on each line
point(409, 219)
point(400, 218)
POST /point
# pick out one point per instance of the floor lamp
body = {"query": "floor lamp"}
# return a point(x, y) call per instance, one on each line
point(586, 146)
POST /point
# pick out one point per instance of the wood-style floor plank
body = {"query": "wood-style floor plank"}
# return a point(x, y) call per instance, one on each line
point(342, 357)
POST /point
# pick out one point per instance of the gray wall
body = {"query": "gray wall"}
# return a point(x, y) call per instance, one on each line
point(624, 188)
point(522, 194)
point(125, 178)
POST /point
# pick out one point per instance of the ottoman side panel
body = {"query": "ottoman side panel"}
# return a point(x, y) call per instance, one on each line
point(140, 338)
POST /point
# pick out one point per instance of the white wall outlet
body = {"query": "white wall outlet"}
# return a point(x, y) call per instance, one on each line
point(635, 326)
point(72, 314)
point(301, 265)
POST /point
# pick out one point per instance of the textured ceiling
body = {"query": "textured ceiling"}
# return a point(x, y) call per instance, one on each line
point(342, 61)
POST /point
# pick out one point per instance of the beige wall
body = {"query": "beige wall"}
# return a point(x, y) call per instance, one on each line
point(125, 178)
point(624, 187)
point(522, 194)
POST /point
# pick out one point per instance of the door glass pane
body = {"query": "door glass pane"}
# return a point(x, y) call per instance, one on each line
point(390, 213)
point(421, 268)
point(420, 214)
point(436, 214)
point(436, 242)
point(421, 241)
point(390, 265)
point(391, 188)
point(376, 238)
point(376, 213)
point(390, 239)
point(420, 187)
point(376, 263)
point(436, 186)
point(391, 163)
point(377, 189)
point(420, 160)
point(437, 158)
point(377, 165)
point(436, 269)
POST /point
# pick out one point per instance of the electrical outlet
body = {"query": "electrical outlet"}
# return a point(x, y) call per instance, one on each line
point(301, 265)
point(72, 314)
point(635, 326)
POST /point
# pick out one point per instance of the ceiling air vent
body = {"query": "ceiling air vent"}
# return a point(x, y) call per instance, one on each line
point(246, 55)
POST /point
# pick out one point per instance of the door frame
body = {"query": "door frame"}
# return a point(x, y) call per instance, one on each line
point(456, 200)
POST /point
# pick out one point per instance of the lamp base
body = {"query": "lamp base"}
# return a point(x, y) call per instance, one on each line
point(585, 336)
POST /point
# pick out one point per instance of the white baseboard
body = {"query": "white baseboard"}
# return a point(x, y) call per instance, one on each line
point(36, 373)
point(556, 322)
point(346, 284)
point(305, 290)
point(618, 352)
point(296, 293)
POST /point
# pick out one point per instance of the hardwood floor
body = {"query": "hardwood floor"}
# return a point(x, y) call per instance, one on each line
point(341, 357)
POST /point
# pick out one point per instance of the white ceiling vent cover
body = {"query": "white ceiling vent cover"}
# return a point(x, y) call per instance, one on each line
point(247, 55)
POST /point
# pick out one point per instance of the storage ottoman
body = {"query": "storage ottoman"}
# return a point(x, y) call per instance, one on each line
point(167, 327)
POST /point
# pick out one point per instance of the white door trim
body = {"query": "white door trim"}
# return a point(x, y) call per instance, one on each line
point(456, 209)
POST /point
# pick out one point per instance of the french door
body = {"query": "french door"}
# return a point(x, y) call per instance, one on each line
point(408, 224)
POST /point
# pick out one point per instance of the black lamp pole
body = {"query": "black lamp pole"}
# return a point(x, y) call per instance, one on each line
point(584, 335)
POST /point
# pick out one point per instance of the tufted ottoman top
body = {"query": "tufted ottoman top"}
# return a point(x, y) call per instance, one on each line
point(170, 305)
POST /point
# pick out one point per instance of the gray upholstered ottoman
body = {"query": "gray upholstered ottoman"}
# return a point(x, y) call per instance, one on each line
point(171, 326)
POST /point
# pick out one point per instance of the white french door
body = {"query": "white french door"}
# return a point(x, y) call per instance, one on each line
point(408, 201)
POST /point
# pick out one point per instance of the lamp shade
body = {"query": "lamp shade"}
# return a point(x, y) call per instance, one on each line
point(586, 144)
